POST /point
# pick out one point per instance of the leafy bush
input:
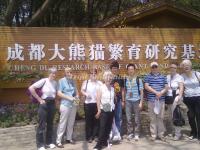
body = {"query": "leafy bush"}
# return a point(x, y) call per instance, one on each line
point(25, 114)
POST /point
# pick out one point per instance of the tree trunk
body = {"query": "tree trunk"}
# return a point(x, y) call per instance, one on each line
point(40, 12)
point(90, 12)
point(10, 12)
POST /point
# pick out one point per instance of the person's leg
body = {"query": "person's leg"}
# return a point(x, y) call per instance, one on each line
point(50, 118)
point(64, 115)
point(160, 118)
point(118, 114)
point(137, 118)
point(152, 116)
point(101, 138)
point(42, 116)
point(129, 110)
point(169, 123)
point(88, 121)
point(70, 122)
point(191, 116)
point(108, 127)
point(95, 122)
point(197, 112)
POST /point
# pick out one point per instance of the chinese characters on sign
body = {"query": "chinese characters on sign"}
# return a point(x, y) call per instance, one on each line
point(97, 51)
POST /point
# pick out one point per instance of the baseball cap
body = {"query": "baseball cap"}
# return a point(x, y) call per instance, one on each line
point(154, 64)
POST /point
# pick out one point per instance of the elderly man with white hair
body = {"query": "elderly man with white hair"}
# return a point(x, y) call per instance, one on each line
point(156, 86)
point(192, 97)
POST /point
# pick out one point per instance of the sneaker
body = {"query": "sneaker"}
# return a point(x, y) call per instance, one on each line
point(42, 148)
point(136, 138)
point(192, 137)
point(152, 138)
point(162, 138)
point(97, 148)
point(51, 146)
point(130, 136)
point(70, 142)
point(177, 138)
point(59, 145)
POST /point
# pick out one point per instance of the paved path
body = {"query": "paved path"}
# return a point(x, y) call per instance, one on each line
point(143, 144)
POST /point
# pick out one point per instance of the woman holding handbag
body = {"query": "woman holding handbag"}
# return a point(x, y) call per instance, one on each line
point(89, 90)
point(192, 97)
point(105, 106)
point(46, 109)
point(174, 95)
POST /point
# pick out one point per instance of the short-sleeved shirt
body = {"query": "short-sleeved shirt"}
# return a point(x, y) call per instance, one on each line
point(173, 83)
point(157, 82)
point(91, 89)
point(67, 87)
point(118, 84)
point(49, 87)
point(132, 93)
point(107, 96)
point(191, 84)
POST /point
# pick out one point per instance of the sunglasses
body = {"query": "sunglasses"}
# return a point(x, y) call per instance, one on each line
point(154, 67)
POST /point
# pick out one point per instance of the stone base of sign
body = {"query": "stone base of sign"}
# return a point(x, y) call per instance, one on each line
point(25, 136)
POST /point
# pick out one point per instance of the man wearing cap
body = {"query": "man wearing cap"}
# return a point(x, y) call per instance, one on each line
point(156, 87)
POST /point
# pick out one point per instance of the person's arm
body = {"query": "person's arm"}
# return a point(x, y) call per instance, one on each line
point(33, 92)
point(33, 87)
point(60, 93)
point(83, 87)
point(123, 97)
point(98, 97)
point(141, 94)
point(150, 89)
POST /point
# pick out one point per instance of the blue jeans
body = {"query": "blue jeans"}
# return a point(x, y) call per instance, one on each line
point(118, 114)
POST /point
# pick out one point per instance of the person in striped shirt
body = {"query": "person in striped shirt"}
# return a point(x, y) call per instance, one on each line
point(134, 100)
point(156, 87)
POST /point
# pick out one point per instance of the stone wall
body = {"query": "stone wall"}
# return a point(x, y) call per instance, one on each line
point(25, 135)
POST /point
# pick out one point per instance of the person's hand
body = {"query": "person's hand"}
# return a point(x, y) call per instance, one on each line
point(140, 105)
point(158, 95)
point(42, 101)
point(123, 104)
point(98, 114)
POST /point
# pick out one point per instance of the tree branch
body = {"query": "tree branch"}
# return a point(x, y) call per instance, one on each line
point(40, 12)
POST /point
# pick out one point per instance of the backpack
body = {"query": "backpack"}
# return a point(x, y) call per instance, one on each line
point(38, 92)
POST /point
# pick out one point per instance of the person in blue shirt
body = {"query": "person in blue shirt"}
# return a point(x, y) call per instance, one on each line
point(68, 93)
point(156, 87)
point(134, 100)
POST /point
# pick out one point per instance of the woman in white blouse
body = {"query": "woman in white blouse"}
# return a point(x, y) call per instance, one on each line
point(46, 109)
point(192, 97)
point(174, 95)
point(105, 106)
point(89, 90)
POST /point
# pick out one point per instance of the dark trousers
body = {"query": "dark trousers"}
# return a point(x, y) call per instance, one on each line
point(91, 123)
point(46, 116)
point(193, 104)
point(106, 120)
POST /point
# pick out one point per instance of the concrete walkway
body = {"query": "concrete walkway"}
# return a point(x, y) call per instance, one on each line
point(143, 144)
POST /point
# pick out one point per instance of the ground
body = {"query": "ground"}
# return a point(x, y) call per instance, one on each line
point(143, 144)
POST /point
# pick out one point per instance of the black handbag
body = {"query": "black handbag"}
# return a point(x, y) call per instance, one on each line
point(170, 99)
point(178, 119)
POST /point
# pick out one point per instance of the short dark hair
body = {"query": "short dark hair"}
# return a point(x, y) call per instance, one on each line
point(114, 64)
point(131, 64)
